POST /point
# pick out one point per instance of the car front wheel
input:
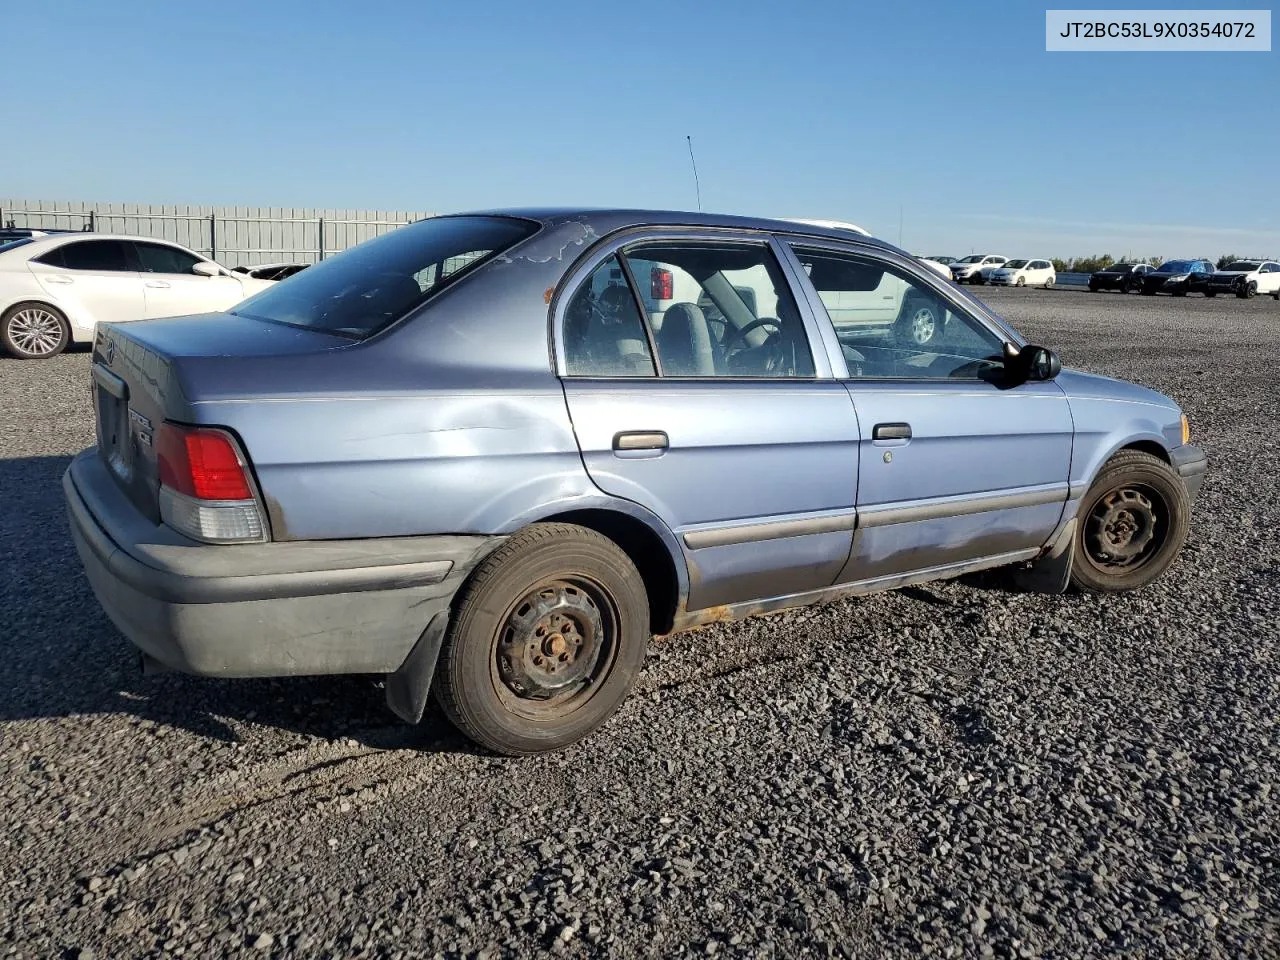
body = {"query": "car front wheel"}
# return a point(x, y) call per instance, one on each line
point(551, 630)
point(1249, 292)
point(34, 331)
point(1132, 524)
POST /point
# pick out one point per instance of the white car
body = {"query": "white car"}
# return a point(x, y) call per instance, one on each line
point(55, 290)
point(976, 268)
point(937, 266)
point(1024, 273)
point(1246, 278)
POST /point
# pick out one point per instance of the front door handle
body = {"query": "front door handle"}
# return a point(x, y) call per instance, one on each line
point(891, 431)
point(158, 284)
point(56, 278)
point(640, 440)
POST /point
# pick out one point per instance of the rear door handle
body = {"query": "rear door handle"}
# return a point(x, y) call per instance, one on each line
point(640, 440)
point(158, 284)
point(55, 278)
point(891, 431)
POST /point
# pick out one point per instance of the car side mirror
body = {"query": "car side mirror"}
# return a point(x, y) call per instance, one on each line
point(204, 268)
point(1031, 363)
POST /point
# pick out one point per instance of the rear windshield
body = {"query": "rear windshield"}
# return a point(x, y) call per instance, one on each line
point(357, 293)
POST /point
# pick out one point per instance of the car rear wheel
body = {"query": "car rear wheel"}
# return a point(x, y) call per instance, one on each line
point(1048, 284)
point(34, 331)
point(550, 633)
point(1021, 282)
point(919, 324)
point(1132, 524)
point(1249, 292)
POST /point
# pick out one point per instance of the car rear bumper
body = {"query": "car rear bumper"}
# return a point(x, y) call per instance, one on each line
point(255, 610)
point(1192, 463)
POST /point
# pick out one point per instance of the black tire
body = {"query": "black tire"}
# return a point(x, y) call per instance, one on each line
point(1125, 286)
point(977, 279)
point(1147, 292)
point(920, 322)
point(34, 331)
point(1211, 294)
point(553, 592)
point(1093, 287)
point(1048, 284)
point(1021, 282)
point(1180, 293)
point(1132, 524)
point(1249, 292)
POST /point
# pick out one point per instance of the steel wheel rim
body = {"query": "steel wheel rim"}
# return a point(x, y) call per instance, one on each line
point(1126, 528)
point(554, 647)
point(35, 331)
point(923, 325)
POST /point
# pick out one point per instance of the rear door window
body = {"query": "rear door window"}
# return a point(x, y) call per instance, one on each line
point(99, 256)
point(719, 310)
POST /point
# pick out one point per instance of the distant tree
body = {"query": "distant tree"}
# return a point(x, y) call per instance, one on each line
point(1060, 266)
point(1090, 264)
point(1225, 259)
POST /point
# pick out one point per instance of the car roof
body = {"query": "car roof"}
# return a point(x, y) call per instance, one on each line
point(607, 220)
point(39, 244)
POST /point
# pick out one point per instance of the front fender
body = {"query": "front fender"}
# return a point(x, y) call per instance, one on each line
point(1103, 427)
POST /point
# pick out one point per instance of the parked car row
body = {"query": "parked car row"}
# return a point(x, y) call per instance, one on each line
point(980, 268)
point(56, 286)
point(1244, 278)
point(712, 417)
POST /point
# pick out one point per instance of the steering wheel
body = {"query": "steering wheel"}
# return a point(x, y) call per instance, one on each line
point(741, 333)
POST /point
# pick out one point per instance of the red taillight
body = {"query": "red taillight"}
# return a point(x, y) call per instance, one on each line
point(201, 463)
point(661, 284)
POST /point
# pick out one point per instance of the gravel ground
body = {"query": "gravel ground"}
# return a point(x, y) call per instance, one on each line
point(954, 769)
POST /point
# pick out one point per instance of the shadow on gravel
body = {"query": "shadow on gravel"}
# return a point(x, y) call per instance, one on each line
point(61, 657)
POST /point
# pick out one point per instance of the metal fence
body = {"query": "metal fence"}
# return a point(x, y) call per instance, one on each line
point(234, 236)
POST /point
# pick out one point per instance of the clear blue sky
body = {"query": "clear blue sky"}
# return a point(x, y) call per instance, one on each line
point(952, 112)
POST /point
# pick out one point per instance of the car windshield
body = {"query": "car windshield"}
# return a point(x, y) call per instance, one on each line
point(976, 258)
point(10, 244)
point(1242, 266)
point(370, 286)
point(1175, 266)
point(1016, 264)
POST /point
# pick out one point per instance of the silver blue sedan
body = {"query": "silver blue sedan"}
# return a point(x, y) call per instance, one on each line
point(490, 455)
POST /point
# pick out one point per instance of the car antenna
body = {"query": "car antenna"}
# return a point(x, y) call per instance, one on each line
point(696, 185)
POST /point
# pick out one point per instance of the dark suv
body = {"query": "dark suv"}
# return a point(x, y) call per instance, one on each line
point(1178, 277)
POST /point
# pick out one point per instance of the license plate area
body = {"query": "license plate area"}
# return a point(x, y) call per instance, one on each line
point(111, 396)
